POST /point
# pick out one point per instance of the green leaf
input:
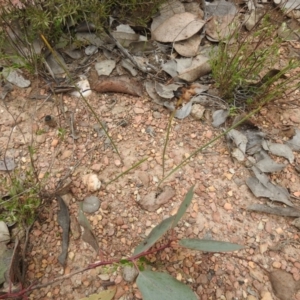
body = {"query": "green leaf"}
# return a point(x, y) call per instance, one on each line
point(162, 286)
point(209, 245)
point(154, 235)
point(184, 206)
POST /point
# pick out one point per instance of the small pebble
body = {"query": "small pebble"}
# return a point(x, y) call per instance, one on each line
point(91, 204)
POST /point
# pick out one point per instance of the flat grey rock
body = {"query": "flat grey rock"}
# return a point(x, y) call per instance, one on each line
point(91, 204)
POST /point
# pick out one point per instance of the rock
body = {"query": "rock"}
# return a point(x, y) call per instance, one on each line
point(138, 110)
point(104, 277)
point(41, 138)
point(296, 223)
point(156, 115)
point(152, 201)
point(143, 178)
point(91, 49)
point(96, 167)
point(129, 273)
point(283, 284)
point(92, 182)
point(197, 111)
point(91, 204)
point(105, 67)
point(15, 77)
point(66, 154)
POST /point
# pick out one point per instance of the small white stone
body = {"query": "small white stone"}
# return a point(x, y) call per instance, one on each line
point(92, 182)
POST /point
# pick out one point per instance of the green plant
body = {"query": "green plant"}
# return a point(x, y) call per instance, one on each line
point(157, 285)
point(238, 67)
point(61, 133)
point(22, 198)
point(21, 29)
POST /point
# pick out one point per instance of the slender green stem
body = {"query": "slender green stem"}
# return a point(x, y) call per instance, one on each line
point(128, 170)
point(82, 97)
point(167, 140)
point(185, 161)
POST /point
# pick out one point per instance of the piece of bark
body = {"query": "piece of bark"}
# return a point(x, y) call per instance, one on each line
point(117, 84)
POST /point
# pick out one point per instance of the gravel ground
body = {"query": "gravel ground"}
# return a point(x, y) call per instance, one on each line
point(218, 210)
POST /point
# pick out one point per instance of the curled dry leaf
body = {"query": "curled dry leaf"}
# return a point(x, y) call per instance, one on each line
point(266, 164)
point(166, 91)
point(239, 139)
point(262, 187)
point(255, 139)
point(279, 150)
point(219, 117)
point(184, 111)
point(118, 84)
point(177, 28)
point(150, 88)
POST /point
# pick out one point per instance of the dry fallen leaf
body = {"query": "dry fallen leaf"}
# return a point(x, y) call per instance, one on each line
point(189, 47)
point(118, 84)
point(63, 218)
point(177, 28)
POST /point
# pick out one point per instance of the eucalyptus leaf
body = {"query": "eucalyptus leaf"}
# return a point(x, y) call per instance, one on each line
point(279, 150)
point(184, 111)
point(162, 286)
point(156, 233)
point(219, 117)
point(63, 218)
point(88, 235)
point(294, 143)
point(184, 206)
point(209, 245)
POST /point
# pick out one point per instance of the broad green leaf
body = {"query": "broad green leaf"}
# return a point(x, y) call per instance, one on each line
point(162, 286)
point(209, 245)
point(154, 235)
point(184, 206)
point(104, 295)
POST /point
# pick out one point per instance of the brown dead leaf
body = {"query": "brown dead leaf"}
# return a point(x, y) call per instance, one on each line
point(117, 84)
point(189, 47)
point(177, 28)
point(218, 27)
